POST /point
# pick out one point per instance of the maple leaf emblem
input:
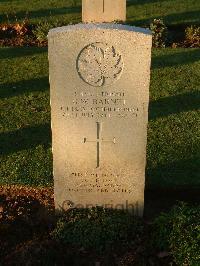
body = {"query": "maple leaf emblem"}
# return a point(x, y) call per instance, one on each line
point(99, 64)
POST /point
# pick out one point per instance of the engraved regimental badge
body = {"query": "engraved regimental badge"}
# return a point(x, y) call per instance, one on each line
point(99, 64)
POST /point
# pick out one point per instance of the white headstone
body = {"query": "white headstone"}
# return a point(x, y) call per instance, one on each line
point(103, 10)
point(99, 77)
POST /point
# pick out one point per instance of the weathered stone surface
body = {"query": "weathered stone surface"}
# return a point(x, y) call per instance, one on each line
point(103, 10)
point(99, 77)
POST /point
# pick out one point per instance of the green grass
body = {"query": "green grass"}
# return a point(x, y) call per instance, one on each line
point(173, 139)
point(25, 117)
point(139, 12)
point(173, 136)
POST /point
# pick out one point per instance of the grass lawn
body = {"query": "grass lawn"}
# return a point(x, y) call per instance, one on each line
point(173, 139)
point(139, 12)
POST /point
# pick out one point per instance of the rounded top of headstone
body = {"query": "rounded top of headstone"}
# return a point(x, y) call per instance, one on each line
point(98, 26)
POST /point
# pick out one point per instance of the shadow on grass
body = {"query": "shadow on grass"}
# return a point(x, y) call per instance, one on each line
point(42, 13)
point(9, 53)
point(163, 199)
point(175, 59)
point(188, 18)
point(174, 104)
point(140, 2)
point(183, 173)
point(24, 86)
point(25, 138)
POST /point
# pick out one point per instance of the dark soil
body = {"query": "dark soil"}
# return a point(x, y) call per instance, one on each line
point(27, 219)
point(22, 35)
point(19, 35)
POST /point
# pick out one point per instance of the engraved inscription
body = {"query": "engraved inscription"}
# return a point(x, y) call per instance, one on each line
point(101, 104)
point(99, 64)
point(98, 183)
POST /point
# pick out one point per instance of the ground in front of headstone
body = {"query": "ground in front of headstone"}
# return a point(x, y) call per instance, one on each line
point(27, 220)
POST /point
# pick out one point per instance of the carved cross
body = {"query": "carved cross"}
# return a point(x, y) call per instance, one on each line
point(99, 141)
